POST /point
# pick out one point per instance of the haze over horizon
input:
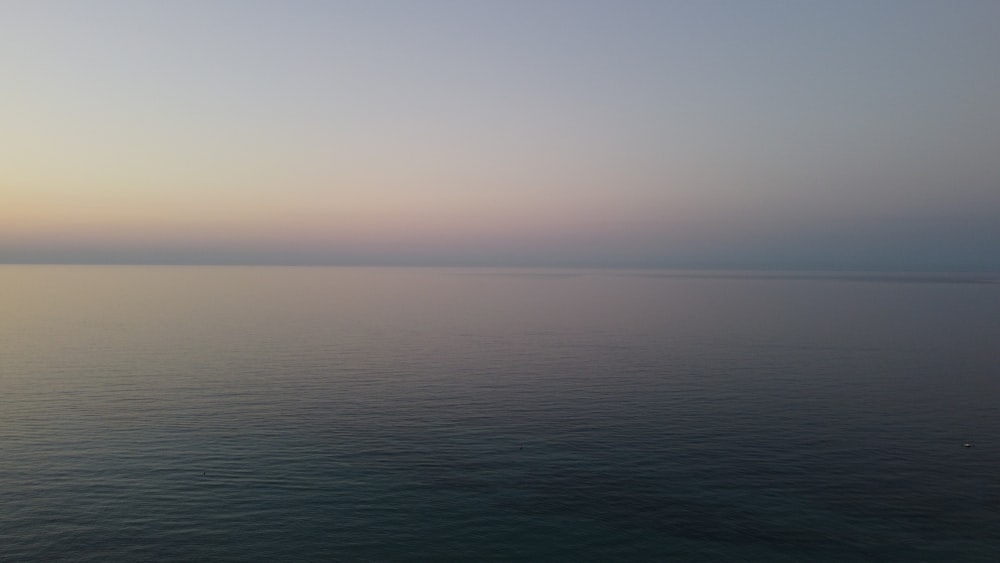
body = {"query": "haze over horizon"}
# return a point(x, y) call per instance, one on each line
point(741, 135)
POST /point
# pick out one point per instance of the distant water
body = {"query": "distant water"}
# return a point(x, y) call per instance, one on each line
point(319, 414)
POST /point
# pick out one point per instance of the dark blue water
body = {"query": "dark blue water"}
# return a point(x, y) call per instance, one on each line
point(314, 414)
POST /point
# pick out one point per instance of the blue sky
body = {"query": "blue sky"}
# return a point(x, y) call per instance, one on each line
point(769, 134)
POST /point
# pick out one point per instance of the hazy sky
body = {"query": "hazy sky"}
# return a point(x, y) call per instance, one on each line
point(709, 134)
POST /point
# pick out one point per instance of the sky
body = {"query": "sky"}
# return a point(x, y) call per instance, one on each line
point(749, 134)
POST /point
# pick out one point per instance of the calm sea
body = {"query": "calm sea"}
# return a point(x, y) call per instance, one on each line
point(346, 414)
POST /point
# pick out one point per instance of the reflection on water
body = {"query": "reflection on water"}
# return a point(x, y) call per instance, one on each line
point(172, 413)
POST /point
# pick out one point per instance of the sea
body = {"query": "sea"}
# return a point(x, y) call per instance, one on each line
point(167, 413)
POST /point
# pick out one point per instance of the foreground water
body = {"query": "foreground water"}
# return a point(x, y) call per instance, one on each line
point(314, 414)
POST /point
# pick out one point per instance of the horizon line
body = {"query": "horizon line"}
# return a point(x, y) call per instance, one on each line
point(730, 269)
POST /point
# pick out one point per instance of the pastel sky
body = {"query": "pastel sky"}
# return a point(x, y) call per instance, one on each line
point(703, 134)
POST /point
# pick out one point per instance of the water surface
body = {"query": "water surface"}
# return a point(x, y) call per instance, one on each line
point(312, 414)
